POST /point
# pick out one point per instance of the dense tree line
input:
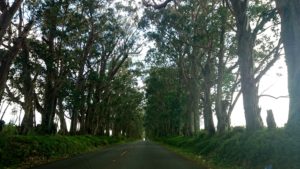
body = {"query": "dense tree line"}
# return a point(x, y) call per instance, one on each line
point(72, 59)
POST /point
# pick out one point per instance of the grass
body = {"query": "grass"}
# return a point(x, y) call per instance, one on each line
point(239, 149)
point(26, 151)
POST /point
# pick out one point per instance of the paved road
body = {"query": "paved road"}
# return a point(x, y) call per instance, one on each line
point(138, 155)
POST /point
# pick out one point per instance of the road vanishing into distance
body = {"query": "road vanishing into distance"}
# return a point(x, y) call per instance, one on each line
point(137, 155)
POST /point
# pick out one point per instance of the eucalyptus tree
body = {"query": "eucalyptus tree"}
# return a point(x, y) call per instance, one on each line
point(248, 13)
point(21, 84)
point(54, 22)
point(290, 33)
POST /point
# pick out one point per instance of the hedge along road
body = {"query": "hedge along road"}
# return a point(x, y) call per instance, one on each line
point(138, 155)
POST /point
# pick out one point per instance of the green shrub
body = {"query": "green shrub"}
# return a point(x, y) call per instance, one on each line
point(277, 147)
point(15, 150)
point(9, 129)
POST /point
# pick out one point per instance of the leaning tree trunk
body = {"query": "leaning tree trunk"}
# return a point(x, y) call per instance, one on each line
point(290, 33)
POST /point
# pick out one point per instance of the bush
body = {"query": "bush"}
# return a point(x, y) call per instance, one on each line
point(277, 148)
point(10, 129)
point(28, 150)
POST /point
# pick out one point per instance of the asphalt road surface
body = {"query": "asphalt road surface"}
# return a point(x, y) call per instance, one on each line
point(138, 155)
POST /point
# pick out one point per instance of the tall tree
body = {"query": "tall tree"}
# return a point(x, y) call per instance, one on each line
point(290, 33)
point(246, 37)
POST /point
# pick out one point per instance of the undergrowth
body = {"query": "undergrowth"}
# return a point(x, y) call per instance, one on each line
point(26, 151)
point(241, 149)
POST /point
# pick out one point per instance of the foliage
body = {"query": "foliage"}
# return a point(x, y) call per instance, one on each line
point(28, 151)
point(238, 147)
point(163, 111)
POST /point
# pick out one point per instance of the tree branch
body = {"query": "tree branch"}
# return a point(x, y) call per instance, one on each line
point(12, 97)
point(266, 17)
point(278, 97)
point(6, 17)
point(156, 6)
point(271, 63)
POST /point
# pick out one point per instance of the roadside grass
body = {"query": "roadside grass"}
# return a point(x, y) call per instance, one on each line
point(239, 149)
point(18, 151)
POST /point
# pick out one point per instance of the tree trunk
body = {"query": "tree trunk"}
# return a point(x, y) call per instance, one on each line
point(248, 83)
point(63, 126)
point(270, 120)
point(50, 102)
point(245, 59)
point(79, 95)
point(290, 33)
point(221, 112)
point(208, 115)
point(51, 87)
point(28, 89)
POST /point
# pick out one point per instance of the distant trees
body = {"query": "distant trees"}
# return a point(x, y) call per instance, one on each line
point(164, 111)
